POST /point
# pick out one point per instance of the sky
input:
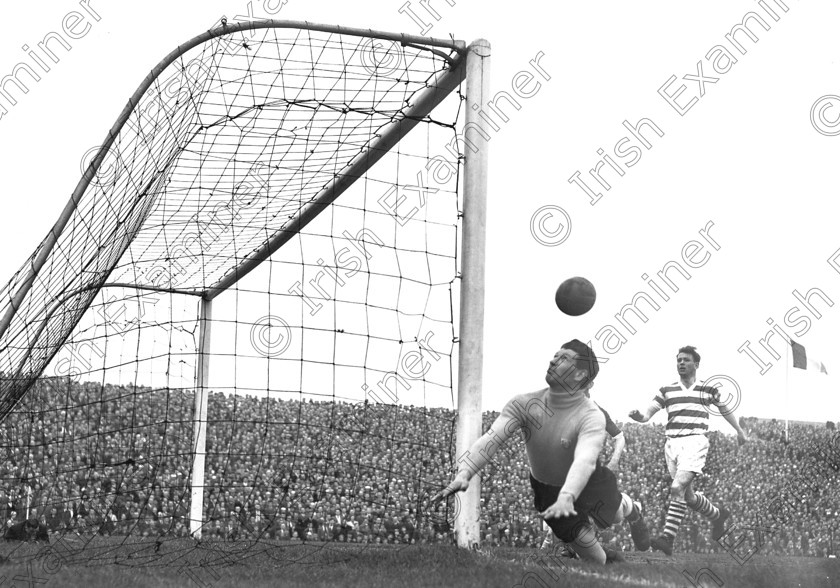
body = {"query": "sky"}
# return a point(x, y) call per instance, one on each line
point(734, 175)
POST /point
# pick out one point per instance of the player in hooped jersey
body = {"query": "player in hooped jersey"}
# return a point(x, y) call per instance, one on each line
point(563, 432)
point(685, 451)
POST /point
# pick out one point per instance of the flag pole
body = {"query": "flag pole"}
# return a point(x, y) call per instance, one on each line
point(789, 359)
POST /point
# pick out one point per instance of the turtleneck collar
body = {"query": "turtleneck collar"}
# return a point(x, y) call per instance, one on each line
point(560, 399)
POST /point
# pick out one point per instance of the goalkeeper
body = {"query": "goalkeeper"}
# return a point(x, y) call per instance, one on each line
point(564, 432)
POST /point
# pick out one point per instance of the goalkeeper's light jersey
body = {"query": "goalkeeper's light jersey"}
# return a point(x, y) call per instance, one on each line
point(552, 427)
point(687, 408)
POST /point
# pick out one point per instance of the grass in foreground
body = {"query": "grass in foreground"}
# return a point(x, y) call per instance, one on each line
point(104, 562)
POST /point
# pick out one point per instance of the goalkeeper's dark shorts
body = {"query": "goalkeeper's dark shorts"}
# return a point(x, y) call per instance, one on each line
point(600, 500)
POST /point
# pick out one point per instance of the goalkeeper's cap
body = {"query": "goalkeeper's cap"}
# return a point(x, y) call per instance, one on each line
point(32, 522)
point(586, 358)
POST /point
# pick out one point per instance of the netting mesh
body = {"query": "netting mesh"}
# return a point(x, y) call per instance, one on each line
point(329, 364)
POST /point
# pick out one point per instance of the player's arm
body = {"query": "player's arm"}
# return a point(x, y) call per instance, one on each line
point(733, 421)
point(654, 407)
point(480, 454)
point(589, 443)
point(618, 436)
point(620, 444)
point(643, 417)
point(730, 417)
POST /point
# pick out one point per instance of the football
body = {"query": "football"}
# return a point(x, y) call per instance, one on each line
point(575, 296)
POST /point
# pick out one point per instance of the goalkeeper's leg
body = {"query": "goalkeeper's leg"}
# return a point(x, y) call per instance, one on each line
point(559, 547)
point(631, 511)
point(588, 549)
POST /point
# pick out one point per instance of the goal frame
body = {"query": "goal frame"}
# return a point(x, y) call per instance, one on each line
point(471, 66)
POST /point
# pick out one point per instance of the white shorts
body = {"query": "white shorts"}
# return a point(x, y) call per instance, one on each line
point(686, 454)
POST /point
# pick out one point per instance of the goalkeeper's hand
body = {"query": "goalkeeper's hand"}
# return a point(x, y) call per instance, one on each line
point(459, 484)
point(564, 506)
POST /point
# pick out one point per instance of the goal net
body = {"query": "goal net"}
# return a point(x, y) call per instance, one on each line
point(244, 325)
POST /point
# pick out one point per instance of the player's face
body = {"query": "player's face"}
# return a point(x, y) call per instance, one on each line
point(685, 365)
point(562, 369)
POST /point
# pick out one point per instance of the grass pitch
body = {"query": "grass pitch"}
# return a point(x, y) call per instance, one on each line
point(106, 562)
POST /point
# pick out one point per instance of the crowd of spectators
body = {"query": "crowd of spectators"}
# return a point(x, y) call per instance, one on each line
point(117, 460)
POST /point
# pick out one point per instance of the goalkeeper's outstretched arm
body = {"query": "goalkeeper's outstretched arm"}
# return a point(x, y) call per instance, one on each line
point(479, 455)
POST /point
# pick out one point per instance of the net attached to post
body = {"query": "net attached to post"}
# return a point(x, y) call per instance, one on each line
point(304, 181)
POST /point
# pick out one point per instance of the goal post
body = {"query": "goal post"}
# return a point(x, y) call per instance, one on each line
point(472, 293)
point(200, 426)
point(263, 303)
